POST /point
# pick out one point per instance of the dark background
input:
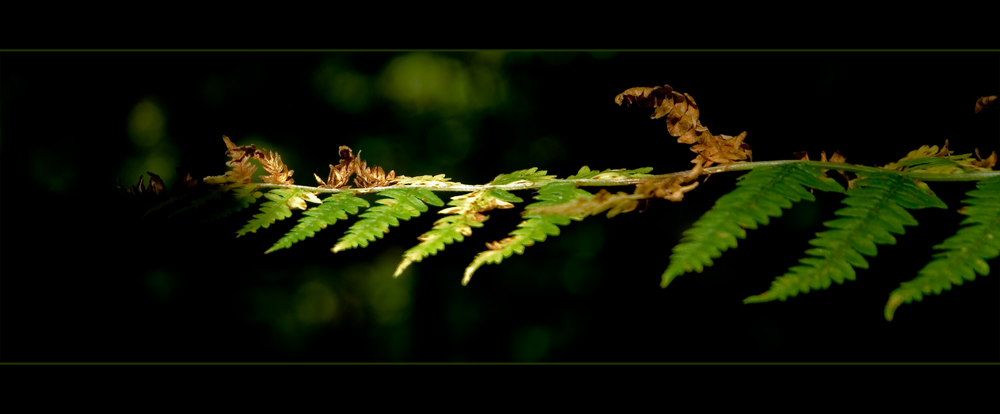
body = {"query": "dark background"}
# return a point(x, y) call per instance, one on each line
point(85, 278)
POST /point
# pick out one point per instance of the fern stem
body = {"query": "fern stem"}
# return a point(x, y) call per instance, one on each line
point(740, 166)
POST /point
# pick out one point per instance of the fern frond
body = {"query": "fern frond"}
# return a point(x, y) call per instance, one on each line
point(532, 175)
point(877, 208)
point(593, 204)
point(403, 203)
point(610, 174)
point(967, 251)
point(465, 214)
point(426, 180)
point(240, 197)
point(760, 194)
point(682, 122)
point(931, 159)
point(535, 229)
point(335, 207)
point(279, 208)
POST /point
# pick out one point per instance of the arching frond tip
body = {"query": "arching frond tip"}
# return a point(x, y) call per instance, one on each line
point(402, 266)
point(761, 298)
point(890, 307)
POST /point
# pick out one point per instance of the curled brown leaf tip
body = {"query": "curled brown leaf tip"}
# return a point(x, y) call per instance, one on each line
point(682, 122)
point(802, 155)
point(984, 102)
point(837, 158)
point(345, 153)
point(242, 152)
point(186, 183)
point(243, 169)
point(987, 163)
point(341, 173)
point(154, 189)
point(944, 151)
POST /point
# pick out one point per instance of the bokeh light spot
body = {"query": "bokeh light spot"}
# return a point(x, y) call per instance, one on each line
point(547, 150)
point(530, 344)
point(449, 142)
point(146, 123)
point(348, 90)
point(162, 284)
point(315, 303)
point(161, 163)
point(428, 82)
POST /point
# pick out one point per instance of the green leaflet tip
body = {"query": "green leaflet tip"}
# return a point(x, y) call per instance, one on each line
point(665, 282)
point(761, 298)
point(470, 270)
point(668, 277)
point(892, 305)
point(402, 266)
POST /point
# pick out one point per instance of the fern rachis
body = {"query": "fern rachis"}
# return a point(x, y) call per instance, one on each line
point(877, 202)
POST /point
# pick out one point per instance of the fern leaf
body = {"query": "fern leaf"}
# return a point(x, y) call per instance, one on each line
point(966, 252)
point(536, 229)
point(592, 204)
point(402, 203)
point(610, 174)
point(427, 180)
point(336, 207)
point(760, 194)
point(532, 175)
point(276, 209)
point(465, 214)
point(942, 161)
point(877, 208)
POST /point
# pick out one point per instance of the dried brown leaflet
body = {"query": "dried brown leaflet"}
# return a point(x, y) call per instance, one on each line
point(243, 169)
point(279, 172)
point(371, 177)
point(984, 102)
point(682, 122)
point(155, 189)
point(341, 173)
